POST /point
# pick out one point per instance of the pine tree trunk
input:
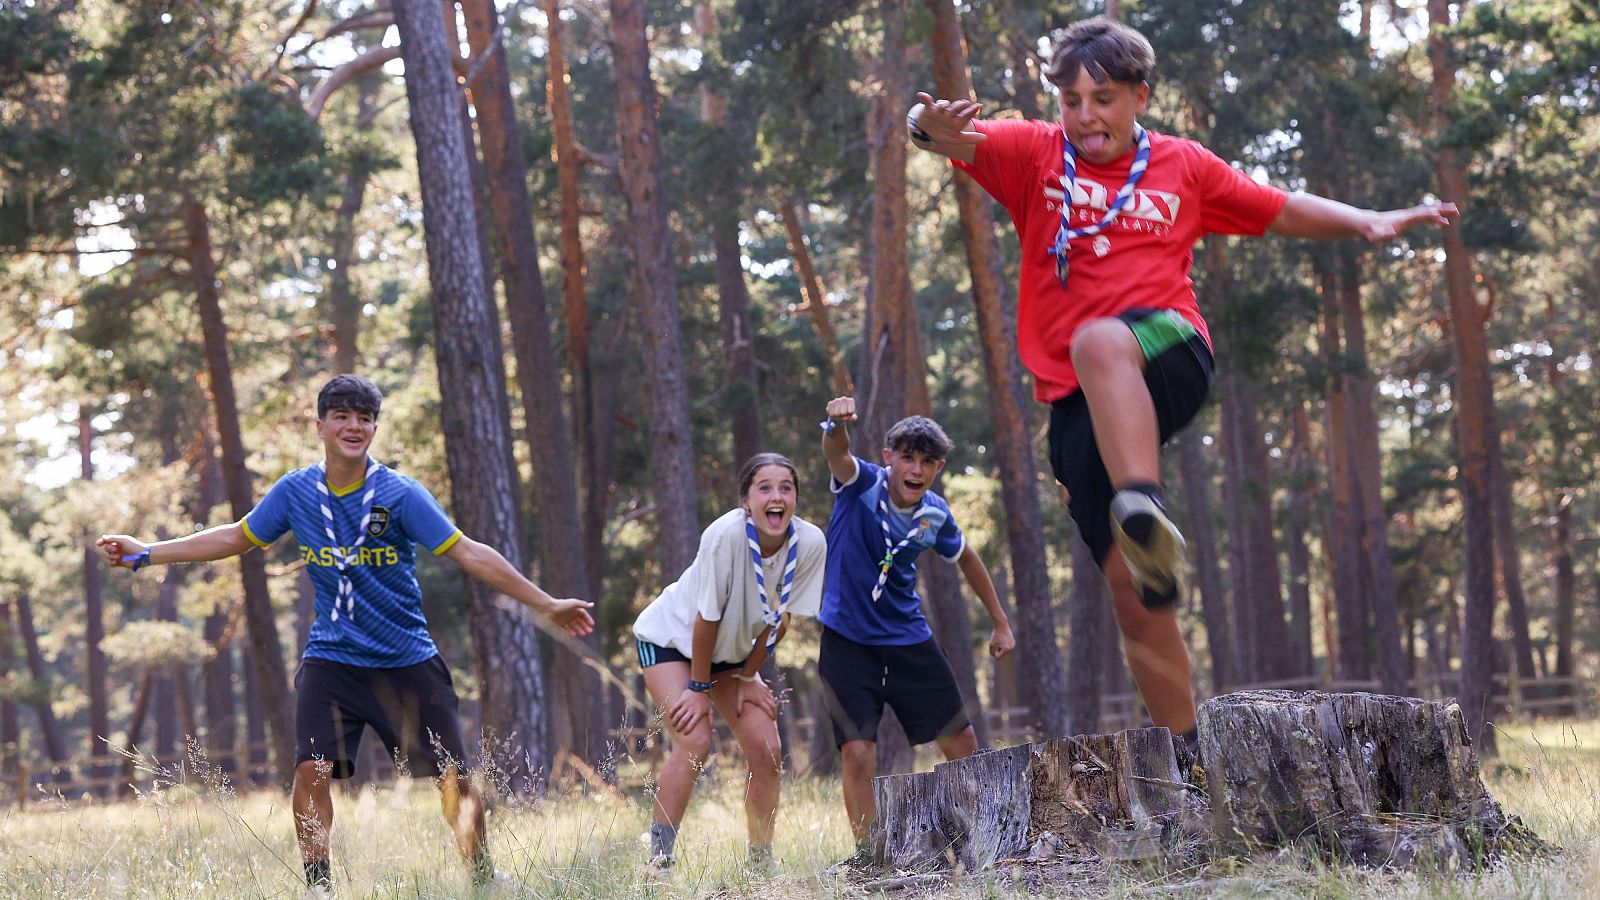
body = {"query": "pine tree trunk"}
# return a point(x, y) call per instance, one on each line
point(1221, 639)
point(49, 730)
point(1295, 527)
point(816, 297)
point(672, 460)
point(588, 421)
point(472, 377)
point(94, 627)
point(343, 307)
point(1474, 401)
point(1368, 470)
point(1092, 646)
point(732, 157)
point(1509, 557)
point(10, 724)
point(259, 615)
point(1036, 628)
point(1343, 538)
point(555, 495)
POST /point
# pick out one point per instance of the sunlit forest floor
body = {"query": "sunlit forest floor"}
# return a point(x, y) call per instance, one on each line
point(391, 842)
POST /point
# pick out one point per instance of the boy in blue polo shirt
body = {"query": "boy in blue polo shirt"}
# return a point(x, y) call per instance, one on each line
point(877, 648)
point(369, 660)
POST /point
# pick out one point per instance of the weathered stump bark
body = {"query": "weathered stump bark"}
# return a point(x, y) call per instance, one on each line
point(1377, 780)
point(1381, 780)
point(1114, 794)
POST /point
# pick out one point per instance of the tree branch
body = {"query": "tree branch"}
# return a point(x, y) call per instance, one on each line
point(346, 73)
point(283, 42)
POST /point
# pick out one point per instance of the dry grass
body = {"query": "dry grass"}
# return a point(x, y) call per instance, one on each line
point(181, 842)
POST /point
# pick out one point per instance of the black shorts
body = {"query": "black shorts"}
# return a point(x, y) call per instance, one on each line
point(655, 654)
point(412, 708)
point(915, 680)
point(1178, 370)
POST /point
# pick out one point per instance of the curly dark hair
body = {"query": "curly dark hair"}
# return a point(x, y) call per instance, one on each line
point(1107, 50)
point(919, 434)
point(351, 392)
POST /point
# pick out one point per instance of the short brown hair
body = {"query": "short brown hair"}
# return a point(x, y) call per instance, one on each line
point(1107, 50)
point(918, 434)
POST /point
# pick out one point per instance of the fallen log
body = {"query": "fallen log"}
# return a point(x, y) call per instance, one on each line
point(1378, 780)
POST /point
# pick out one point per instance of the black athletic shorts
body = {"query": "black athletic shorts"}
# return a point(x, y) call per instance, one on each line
point(915, 680)
point(655, 654)
point(412, 708)
point(1178, 370)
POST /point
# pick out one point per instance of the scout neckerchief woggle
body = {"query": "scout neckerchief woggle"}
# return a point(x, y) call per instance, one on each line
point(343, 560)
point(1069, 182)
point(891, 549)
point(770, 614)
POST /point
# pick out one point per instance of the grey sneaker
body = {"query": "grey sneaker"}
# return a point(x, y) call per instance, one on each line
point(1151, 544)
point(659, 868)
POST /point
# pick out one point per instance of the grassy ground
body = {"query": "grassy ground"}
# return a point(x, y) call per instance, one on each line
point(392, 843)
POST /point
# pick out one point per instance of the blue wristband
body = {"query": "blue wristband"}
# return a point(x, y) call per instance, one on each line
point(138, 561)
point(827, 425)
point(699, 687)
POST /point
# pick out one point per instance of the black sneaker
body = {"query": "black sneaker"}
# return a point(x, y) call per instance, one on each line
point(1151, 544)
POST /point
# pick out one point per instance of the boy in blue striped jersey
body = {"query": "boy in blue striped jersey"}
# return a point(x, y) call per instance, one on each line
point(369, 659)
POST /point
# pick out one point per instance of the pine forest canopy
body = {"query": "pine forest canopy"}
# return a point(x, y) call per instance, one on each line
point(673, 247)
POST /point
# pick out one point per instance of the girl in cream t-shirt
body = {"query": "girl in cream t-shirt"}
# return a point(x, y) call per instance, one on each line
point(703, 639)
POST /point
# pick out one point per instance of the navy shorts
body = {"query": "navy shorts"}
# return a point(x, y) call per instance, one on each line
point(655, 654)
point(1178, 370)
point(413, 710)
point(914, 680)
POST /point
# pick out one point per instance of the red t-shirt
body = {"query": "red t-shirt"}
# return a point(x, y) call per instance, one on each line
point(1141, 260)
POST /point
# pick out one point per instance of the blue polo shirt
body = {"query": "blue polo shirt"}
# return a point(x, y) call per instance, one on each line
point(386, 628)
point(856, 548)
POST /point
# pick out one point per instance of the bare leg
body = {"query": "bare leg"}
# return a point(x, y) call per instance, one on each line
point(462, 804)
point(860, 760)
point(960, 745)
point(312, 801)
point(1110, 367)
point(1156, 654)
point(675, 783)
point(757, 734)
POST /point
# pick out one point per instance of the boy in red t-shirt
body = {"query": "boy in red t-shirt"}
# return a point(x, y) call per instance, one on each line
point(1108, 214)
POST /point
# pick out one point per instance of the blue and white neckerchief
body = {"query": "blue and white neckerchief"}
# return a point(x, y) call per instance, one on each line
point(770, 614)
point(891, 549)
point(343, 560)
point(1069, 182)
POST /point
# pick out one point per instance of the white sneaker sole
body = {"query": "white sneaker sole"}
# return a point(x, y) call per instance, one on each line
point(1154, 563)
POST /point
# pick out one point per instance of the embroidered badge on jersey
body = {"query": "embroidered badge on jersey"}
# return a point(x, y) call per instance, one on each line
point(379, 522)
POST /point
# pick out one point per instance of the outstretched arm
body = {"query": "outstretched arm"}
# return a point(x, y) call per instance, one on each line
point(487, 565)
point(1002, 641)
point(1310, 216)
point(945, 126)
point(836, 441)
point(216, 543)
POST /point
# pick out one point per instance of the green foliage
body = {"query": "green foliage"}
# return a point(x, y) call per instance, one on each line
point(277, 148)
point(152, 645)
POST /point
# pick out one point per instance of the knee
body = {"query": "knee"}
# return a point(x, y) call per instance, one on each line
point(696, 744)
point(767, 761)
point(1099, 343)
point(859, 757)
point(312, 773)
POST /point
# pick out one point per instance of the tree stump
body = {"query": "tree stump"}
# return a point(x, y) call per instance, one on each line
point(1380, 780)
point(1113, 794)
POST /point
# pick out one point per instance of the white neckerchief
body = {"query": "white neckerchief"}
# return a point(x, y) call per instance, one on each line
point(343, 560)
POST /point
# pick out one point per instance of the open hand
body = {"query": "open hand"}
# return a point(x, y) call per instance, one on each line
point(757, 694)
point(572, 616)
point(948, 121)
point(1388, 224)
point(688, 709)
point(120, 549)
